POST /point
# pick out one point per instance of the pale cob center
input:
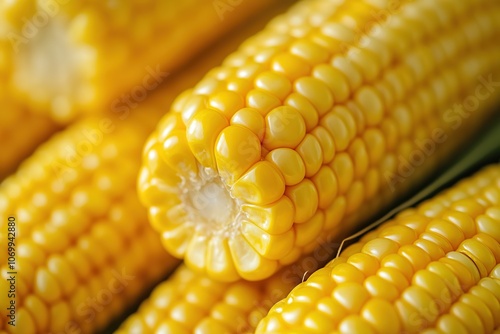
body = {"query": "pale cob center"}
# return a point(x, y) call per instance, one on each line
point(208, 201)
point(47, 66)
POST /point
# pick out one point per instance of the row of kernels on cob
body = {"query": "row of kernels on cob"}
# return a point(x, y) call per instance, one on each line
point(191, 303)
point(82, 241)
point(291, 135)
point(431, 269)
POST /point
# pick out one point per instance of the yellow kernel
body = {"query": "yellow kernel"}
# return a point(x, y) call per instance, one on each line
point(178, 156)
point(285, 127)
point(351, 295)
point(171, 326)
point(489, 226)
point(344, 170)
point(316, 92)
point(290, 164)
point(468, 317)
point(237, 149)
point(489, 242)
point(308, 231)
point(24, 322)
point(274, 83)
point(262, 101)
point(437, 240)
point(305, 108)
point(381, 288)
point(193, 105)
point(63, 273)
point(201, 134)
point(447, 230)
point(326, 142)
point(290, 65)
point(450, 324)
point(210, 325)
point(400, 263)
point(357, 151)
point(433, 250)
point(59, 315)
point(310, 151)
point(366, 61)
point(304, 197)
point(262, 184)
point(403, 235)
point(381, 315)
point(335, 213)
point(39, 311)
point(370, 104)
point(46, 286)
point(394, 277)
point(417, 257)
point(391, 133)
point(481, 309)
point(479, 253)
point(309, 51)
point(341, 126)
point(247, 260)
point(326, 184)
point(353, 75)
point(461, 270)
point(275, 218)
point(380, 247)
point(346, 272)
point(226, 102)
point(335, 81)
point(270, 246)
point(250, 119)
point(355, 324)
point(219, 261)
point(366, 263)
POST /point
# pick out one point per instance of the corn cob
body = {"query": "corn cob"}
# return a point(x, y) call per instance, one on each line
point(312, 119)
point(83, 248)
point(432, 269)
point(69, 57)
point(190, 303)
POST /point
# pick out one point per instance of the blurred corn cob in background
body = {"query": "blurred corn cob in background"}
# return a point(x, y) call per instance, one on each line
point(315, 122)
point(432, 269)
point(73, 57)
point(21, 131)
point(191, 303)
point(79, 223)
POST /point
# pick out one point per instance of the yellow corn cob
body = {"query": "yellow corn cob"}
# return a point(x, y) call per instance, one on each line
point(313, 119)
point(432, 269)
point(82, 246)
point(190, 303)
point(76, 56)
